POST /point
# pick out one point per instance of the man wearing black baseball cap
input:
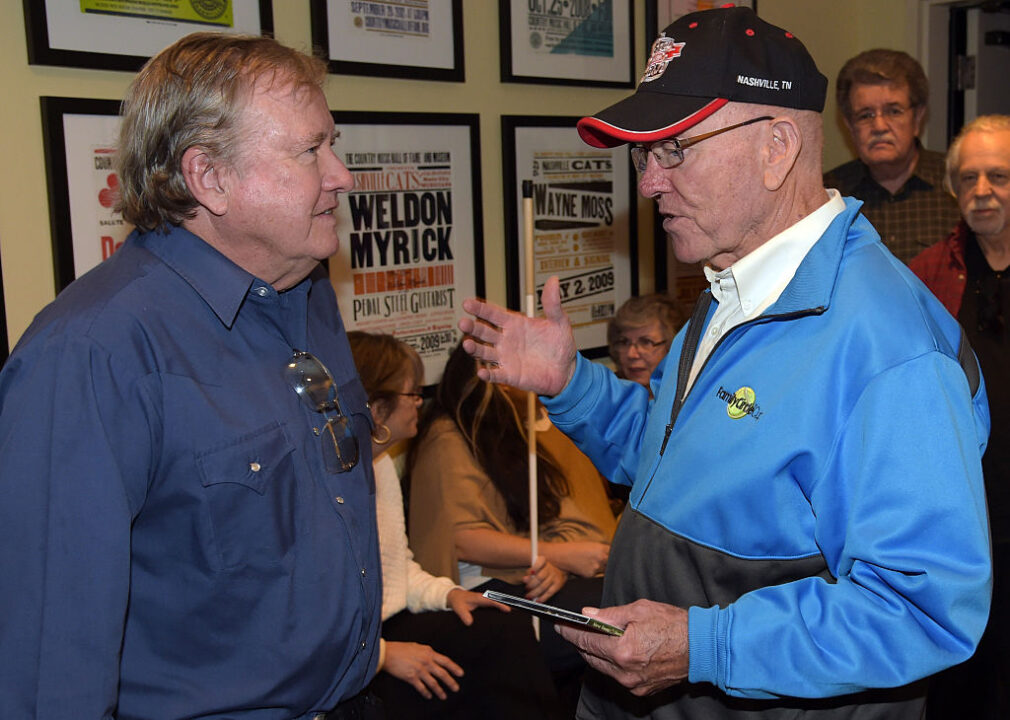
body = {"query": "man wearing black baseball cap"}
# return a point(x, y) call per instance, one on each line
point(806, 530)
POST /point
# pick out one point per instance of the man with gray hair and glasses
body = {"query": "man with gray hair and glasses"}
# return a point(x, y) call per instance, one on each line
point(968, 272)
point(188, 519)
point(806, 530)
point(883, 96)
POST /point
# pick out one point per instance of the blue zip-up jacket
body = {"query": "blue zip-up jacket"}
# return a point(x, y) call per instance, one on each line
point(819, 505)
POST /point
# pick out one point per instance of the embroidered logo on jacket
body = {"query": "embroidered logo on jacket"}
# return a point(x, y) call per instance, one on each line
point(741, 403)
point(663, 51)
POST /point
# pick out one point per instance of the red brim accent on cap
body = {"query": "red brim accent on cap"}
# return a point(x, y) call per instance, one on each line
point(600, 133)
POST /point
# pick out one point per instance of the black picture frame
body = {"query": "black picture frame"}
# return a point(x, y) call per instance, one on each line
point(392, 250)
point(415, 70)
point(43, 51)
point(55, 145)
point(512, 152)
point(518, 58)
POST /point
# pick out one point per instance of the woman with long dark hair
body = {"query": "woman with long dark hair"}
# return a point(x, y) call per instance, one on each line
point(469, 501)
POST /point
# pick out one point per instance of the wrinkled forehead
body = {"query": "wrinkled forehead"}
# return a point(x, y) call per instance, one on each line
point(879, 90)
point(279, 83)
point(641, 325)
point(985, 148)
point(280, 105)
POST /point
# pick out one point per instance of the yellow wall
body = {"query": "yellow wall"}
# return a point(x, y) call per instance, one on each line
point(832, 30)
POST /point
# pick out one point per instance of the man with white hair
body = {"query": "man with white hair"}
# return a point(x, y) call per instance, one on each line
point(968, 273)
point(806, 530)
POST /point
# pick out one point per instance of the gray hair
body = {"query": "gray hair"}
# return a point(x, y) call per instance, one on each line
point(983, 123)
point(639, 311)
point(190, 94)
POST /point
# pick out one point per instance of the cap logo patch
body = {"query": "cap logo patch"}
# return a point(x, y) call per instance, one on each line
point(663, 51)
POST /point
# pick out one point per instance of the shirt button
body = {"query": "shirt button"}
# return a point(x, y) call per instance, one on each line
point(340, 500)
point(363, 644)
point(362, 572)
point(254, 466)
point(315, 431)
point(262, 291)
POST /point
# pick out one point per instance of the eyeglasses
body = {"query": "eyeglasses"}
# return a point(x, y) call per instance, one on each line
point(312, 381)
point(670, 153)
point(890, 114)
point(643, 344)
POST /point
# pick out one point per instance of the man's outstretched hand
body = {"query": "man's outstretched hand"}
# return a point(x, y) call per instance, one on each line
point(535, 354)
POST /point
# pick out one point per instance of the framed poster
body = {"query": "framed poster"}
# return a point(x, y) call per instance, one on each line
point(411, 237)
point(660, 13)
point(568, 42)
point(584, 222)
point(79, 137)
point(414, 39)
point(123, 34)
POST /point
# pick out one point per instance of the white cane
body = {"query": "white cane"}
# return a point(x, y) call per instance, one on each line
point(531, 399)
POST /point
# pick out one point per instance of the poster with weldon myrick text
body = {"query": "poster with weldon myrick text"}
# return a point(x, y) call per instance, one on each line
point(408, 245)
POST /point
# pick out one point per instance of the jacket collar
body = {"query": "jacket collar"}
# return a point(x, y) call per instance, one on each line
point(957, 244)
point(813, 285)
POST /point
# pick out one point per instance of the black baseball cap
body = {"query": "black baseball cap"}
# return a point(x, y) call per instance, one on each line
point(698, 64)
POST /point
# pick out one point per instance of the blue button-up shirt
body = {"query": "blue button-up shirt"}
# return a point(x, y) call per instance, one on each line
point(170, 542)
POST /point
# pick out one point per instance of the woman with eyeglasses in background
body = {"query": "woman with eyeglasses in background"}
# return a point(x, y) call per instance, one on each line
point(640, 333)
point(485, 658)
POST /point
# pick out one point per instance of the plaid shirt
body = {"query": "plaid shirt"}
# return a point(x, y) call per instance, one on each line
point(943, 270)
point(920, 214)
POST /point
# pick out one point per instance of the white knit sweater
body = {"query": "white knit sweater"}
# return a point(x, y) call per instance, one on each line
point(404, 583)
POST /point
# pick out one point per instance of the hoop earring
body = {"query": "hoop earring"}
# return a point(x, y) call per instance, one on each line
point(383, 441)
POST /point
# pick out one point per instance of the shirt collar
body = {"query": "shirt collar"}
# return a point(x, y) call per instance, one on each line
point(221, 283)
point(760, 276)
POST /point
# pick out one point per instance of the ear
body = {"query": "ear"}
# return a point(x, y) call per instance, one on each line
point(203, 177)
point(780, 152)
point(380, 411)
point(920, 117)
point(851, 127)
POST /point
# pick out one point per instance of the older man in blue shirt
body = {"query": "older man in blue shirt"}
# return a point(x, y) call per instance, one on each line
point(188, 524)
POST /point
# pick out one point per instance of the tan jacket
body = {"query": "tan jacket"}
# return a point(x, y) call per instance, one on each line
point(449, 491)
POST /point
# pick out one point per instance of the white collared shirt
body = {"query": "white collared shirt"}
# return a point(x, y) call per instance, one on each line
point(749, 286)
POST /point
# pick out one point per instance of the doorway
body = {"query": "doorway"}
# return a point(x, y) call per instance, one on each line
point(965, 50)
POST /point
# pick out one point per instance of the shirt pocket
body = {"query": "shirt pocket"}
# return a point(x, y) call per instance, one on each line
point(250, 491)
